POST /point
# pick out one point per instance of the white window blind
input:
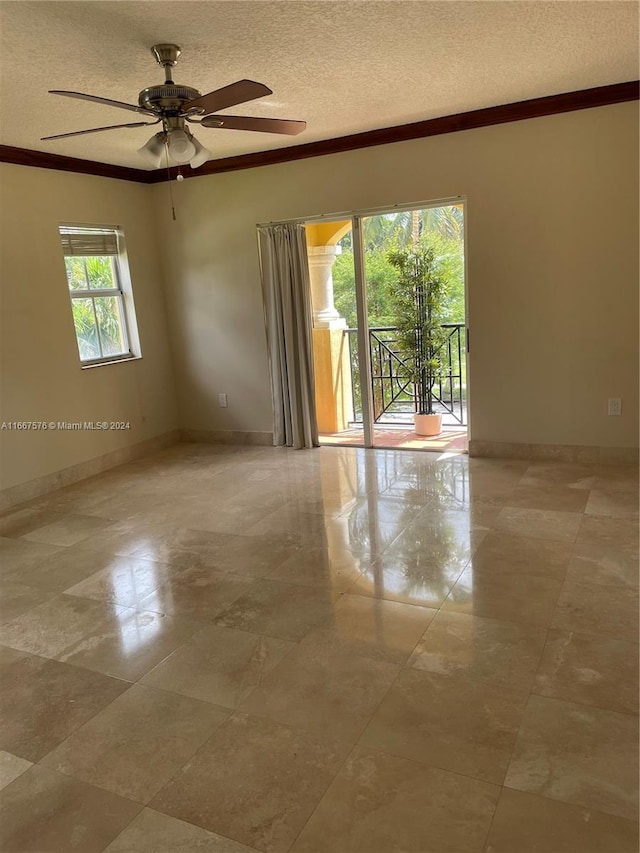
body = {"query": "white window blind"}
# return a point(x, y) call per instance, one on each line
point(89, 242)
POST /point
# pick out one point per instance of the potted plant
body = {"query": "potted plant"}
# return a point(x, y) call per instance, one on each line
point(418, 297)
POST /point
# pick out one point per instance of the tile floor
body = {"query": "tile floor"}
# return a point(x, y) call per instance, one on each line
point(235, 650)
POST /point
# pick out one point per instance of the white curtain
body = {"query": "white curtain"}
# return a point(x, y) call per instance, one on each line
point(287, 305)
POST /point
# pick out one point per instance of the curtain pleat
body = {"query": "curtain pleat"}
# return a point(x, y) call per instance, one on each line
point(287, 304)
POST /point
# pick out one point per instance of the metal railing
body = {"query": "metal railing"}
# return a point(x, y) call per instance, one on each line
point(392, 392)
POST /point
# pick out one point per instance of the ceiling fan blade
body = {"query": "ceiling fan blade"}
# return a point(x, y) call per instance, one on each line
point(120, 104)
point(266, 125)
point(229, 96)
point(98, 129)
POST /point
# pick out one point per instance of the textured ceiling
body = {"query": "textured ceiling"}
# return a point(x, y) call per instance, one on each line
point(344, 67)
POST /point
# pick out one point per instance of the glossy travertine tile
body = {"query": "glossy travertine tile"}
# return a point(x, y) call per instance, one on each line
point(176, 545)
point(11, 766)
point(67, 530)
point(17, 554)
point(618, 533)
point(548, 497)
point(219, 665)
point(17, 598)
point(384, 803)
point(624, 477)
point(334, 569)
point(592, 670)
point(448, 721)
point(604, 610)
point(306, 528)
point(43, 701)
point(197, 593)
point(224, 517)
point(153, 832)
point(278, 609)
point(501, 653)
point(417, 576)
point(476, 515)
point(504, 553)
point(132, 644)
point(573, 475)
point(222, 624)
point(322, 691)
point(108, 638)
point(603, 564)
point(20, 521)
point(613, 503)
point(123, 580)
point(514, 597)
point(45, 812)
point(448, 534)
point(254, 556)
point(394, 511)
point(56, 627)
point(372, 628)
point(366, 541)
point(254, 781)
point(527, 823)
point(577, 754)
point(490, 481)
point(539, 523)
point(64, 569)
point(136, 744)
point(269, 492)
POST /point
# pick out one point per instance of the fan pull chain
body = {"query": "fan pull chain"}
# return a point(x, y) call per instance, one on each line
point(173, 209)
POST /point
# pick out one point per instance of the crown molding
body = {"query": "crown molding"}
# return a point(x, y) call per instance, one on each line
point(487, 117)
point(44, 160)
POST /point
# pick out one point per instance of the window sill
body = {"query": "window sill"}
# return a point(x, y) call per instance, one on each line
point(105, 363)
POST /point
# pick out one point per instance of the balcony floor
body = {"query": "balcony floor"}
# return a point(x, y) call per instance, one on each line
point(451, 439)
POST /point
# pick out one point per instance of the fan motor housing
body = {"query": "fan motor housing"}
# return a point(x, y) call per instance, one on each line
point(169, 96)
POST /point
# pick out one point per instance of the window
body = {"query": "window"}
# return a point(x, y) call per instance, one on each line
point(103, 314)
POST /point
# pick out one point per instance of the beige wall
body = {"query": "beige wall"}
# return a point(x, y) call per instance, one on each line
point(41, 376)
point(552, 270)
point(552, 226)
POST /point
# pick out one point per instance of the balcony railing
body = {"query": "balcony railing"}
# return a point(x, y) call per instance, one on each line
point(392, 393)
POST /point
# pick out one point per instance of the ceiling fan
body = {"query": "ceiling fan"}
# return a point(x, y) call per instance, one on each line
point(174, 106)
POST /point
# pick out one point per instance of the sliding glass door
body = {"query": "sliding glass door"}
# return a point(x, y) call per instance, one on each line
point(365, 342)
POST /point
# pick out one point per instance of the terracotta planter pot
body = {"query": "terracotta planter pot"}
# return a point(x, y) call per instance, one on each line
point(428, 424)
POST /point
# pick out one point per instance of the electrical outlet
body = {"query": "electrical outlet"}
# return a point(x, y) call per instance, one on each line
point(615, 406)
point(222, 401)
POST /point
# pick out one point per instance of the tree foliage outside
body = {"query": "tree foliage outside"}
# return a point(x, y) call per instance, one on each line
point(441, 228)
point(90, 273)
point(98, 320)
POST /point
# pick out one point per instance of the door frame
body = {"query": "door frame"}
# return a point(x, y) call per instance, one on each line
point(364, 361)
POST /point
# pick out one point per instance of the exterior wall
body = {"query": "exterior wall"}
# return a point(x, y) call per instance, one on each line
point(552, 250)
point(41, 378)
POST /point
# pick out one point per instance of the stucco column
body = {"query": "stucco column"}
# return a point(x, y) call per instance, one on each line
point(321, 260)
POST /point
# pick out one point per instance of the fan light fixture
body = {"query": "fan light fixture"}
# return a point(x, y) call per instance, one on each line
point(201, 156)
point(182, 146)
point(153, 150)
